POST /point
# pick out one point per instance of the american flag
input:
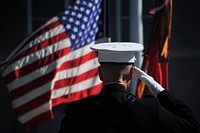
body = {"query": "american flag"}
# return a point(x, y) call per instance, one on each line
point(54, 64)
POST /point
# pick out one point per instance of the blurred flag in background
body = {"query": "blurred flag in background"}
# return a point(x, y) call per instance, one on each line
point(155, 61)
point(54, 64)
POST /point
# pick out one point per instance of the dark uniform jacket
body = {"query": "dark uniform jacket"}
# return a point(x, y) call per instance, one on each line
point(95, 114)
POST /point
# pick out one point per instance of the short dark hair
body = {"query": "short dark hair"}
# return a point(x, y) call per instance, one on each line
point(123, 63)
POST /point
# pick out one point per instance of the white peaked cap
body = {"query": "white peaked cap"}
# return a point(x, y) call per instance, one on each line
point(117, 52)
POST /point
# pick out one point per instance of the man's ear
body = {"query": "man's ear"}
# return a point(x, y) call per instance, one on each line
point(131, 73)
point(100, 73)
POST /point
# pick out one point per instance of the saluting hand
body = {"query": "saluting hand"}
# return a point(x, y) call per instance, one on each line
point(154, 87)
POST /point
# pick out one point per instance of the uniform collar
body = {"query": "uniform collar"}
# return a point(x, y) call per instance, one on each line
point(113, 87)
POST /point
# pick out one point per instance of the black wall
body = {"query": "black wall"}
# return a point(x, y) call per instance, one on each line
point(185, 53)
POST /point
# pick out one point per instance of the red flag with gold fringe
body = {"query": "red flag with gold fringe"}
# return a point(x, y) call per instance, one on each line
point(155, 61)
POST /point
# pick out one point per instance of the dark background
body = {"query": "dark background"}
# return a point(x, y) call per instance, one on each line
point(184, 50)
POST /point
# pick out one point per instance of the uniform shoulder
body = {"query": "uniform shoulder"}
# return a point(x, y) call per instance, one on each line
point(147, 102)
point(80, 103)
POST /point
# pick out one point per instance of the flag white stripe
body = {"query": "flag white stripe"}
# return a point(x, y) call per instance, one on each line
point(76, 87)
point(35, 112)
point(48, 68)
point(12, 54)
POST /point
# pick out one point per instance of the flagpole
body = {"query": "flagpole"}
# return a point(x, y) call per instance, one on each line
point(118, 20)
point(106, 23)
point(66, 3)
point(107, 19)
point(136, 34)
point(29, 16)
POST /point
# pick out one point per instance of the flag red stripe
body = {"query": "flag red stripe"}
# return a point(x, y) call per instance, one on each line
point(33, 104)
point(39, 63)
point(77, 95)
point(46, 78)
point(43, 44)
point(74, 80)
